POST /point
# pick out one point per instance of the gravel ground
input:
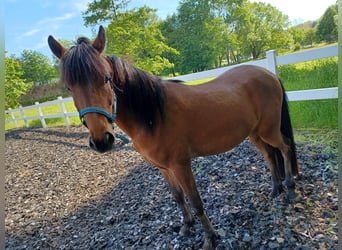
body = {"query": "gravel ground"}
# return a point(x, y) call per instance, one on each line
point(62, 195)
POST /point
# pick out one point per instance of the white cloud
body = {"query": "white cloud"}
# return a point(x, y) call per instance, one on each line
point(30, 32)
point(64, 17)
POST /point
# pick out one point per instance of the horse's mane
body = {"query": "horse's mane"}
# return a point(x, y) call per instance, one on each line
point(82, 64)
point(142, 93)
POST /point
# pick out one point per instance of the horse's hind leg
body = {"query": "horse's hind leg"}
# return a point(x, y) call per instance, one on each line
point(285, 148)
point(178, 194)
point(282, 143)
point(270, 157)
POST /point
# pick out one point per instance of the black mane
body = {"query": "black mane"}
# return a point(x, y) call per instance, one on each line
point(142, 93)
point(82, 64)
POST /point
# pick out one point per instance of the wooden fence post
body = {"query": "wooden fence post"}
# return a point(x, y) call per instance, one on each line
point(271, 58)
point(13, 117)
point(64, 111)
point(24, 116)
point(40, 113)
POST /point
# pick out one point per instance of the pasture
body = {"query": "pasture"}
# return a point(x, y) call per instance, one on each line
point(322, 73)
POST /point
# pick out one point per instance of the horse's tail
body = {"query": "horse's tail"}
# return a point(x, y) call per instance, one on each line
point(286, 130)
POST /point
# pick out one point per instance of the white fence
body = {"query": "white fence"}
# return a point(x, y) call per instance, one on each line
point(271, 62)
point(63, 114)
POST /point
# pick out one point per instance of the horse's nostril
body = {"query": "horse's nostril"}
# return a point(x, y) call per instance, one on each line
point(106, 144)
point(109, 139)
point(92, 143)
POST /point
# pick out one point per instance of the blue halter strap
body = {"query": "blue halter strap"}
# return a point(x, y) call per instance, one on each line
point(111, 117)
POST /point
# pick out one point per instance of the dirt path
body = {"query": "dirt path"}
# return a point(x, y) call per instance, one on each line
point(62, 195)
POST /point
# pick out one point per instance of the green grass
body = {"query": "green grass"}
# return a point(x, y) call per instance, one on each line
point(197, 82)
point(320, 73)
point(314, 114)
point(328, 137)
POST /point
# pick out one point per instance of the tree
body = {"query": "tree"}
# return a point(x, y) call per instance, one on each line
point(103, 11)
point(298, 35)
point(327, 25)
point(309, 38)
point(260, 27)
point(304, 34)
point(37, 67)
point(169, 30)
point(15, 85)
point(136, 35)
point(197, 33)
point(230, 11)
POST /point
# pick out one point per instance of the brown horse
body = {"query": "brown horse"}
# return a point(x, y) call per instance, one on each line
point(170, 122)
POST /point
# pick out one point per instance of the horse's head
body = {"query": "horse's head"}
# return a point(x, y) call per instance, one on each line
point(87, 75)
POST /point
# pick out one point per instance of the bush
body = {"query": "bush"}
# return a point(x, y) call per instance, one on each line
point(43, 93)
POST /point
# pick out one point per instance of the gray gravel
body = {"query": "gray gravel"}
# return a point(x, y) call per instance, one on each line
point(62, 195)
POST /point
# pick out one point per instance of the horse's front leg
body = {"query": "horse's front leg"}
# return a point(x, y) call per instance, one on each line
point(186, 180)
point(177, 192)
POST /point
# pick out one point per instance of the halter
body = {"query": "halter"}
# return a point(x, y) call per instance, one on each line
point(111, 117)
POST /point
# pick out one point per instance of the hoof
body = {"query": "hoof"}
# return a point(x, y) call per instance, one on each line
point(185, 230)
point(294, 197)
point(276, 192)
point(210, 243)
point(273, 194)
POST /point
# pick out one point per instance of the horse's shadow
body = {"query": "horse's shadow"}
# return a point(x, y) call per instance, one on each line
point(60, 137)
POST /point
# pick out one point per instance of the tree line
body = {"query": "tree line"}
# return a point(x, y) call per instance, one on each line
point(201, 35)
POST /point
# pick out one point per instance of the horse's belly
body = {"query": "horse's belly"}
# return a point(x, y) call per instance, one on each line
point(216, 139)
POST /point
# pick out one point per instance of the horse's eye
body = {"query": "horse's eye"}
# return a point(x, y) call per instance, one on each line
point(69, 89)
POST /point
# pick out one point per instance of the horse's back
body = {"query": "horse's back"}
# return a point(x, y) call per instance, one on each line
point(243, 76)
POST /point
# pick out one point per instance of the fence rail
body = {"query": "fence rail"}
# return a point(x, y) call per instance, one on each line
point(38, 106)
point(271, 62)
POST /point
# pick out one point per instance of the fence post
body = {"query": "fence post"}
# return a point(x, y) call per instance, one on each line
point(271, 57)
point(40, 113)
point(13, 117)
point(66, 117)
point(24, 116)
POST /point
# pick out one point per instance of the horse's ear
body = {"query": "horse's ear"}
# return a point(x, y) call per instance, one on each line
point(100, 41)
point(56, 48)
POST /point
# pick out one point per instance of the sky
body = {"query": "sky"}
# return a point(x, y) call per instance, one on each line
point(29, 23)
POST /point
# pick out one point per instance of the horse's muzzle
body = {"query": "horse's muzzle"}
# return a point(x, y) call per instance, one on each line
point(106, 144)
